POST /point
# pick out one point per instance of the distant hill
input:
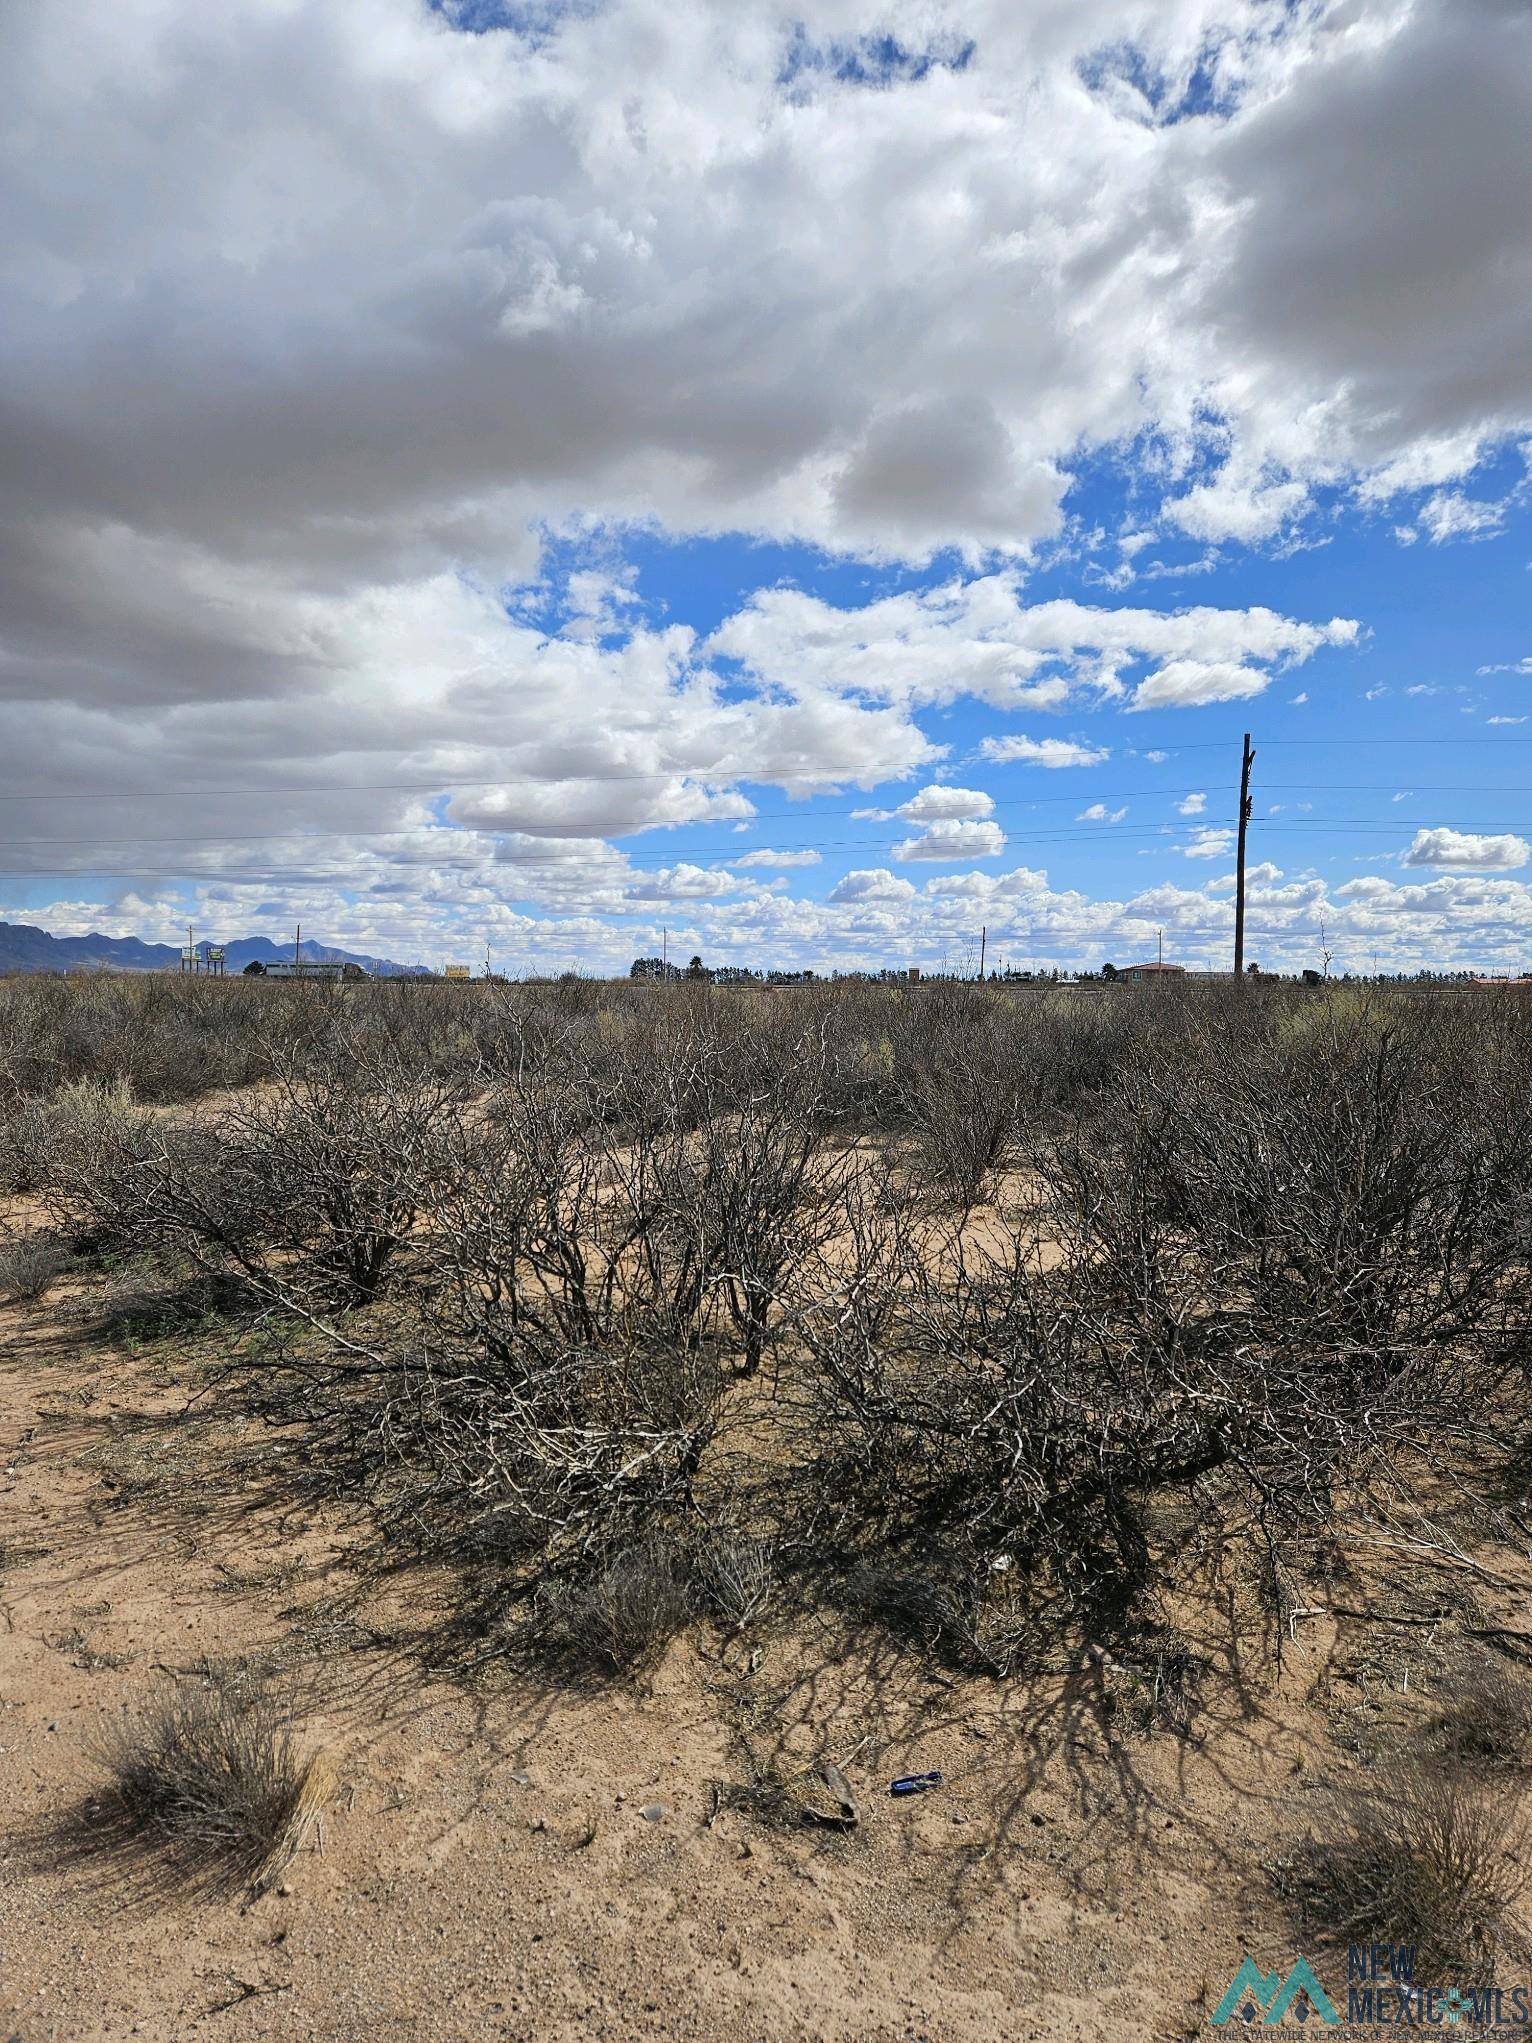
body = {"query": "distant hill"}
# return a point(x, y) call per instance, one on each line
point(25, 948)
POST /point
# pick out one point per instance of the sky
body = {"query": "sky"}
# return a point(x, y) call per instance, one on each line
point(800, 486)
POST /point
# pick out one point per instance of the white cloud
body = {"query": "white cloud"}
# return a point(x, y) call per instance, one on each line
point(1052, 752)
point(1450, 515)
point(1446, 919)
point(779, 859)
point(1185, 684)
point(1208, 843)
point(1098, 812)
point(1509, 667)
point(1507, 719)
point(978, 638)
point(1193, 805)
point(680, 883)
point(1465, 851)
point(938, 803)
point(316, 321)
point(952, 841)
point(1235, 509)
point(877, 885)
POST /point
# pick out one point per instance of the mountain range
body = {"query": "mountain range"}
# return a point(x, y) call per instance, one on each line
point(25, 948)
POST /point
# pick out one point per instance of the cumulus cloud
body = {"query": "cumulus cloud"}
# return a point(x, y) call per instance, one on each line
point(952, 841)
point(879, 884)
point(680, 883)
point(1446, 919)
point(325, 329)
point(1207, 844)
point(1185, 684)
point(1193, 805)
point(1465, 851)
point(979, 638)
point(1098, 812)
point(937, 804)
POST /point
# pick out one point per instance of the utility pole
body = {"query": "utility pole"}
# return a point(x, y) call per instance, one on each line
point(1161, 935)
point(1246, 762)
point(665, 951)
point(983, 940)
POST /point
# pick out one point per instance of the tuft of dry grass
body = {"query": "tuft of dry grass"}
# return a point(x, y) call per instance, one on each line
point(738, 1578)
point(621, 1618)
point(29, 1265)
point(212, 1777)
point(1431, 1858)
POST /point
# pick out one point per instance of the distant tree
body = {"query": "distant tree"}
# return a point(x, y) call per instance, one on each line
point(696, 969)
point(1109, 971)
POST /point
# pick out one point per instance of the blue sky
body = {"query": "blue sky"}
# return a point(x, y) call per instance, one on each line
point(536, 479)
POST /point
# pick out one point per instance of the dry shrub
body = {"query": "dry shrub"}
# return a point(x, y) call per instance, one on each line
point(737, 1577)
point(1429, 1858)
point(24, 1132)
point(310, 1191)
point(621, 1617)
point(95, 1158)
point(29, 1265)
point(213, 1777)
point(961, 1093)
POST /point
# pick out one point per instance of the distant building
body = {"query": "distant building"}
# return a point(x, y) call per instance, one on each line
point(303, 968)
point(1152, 971)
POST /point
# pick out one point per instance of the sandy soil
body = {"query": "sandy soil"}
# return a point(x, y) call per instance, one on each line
point(506, 1862)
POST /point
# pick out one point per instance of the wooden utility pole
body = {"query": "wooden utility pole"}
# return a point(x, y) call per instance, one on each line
point(983, 941)
point(1246, 762)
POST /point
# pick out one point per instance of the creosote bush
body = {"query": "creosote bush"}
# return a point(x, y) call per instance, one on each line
point(556, 1275)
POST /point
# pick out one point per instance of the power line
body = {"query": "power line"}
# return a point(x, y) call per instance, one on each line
point(831, 776)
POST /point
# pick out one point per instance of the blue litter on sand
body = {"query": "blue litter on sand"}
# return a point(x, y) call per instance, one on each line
point(914, 1783)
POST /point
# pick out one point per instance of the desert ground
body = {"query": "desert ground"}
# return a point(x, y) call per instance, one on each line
point(506, 1851)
